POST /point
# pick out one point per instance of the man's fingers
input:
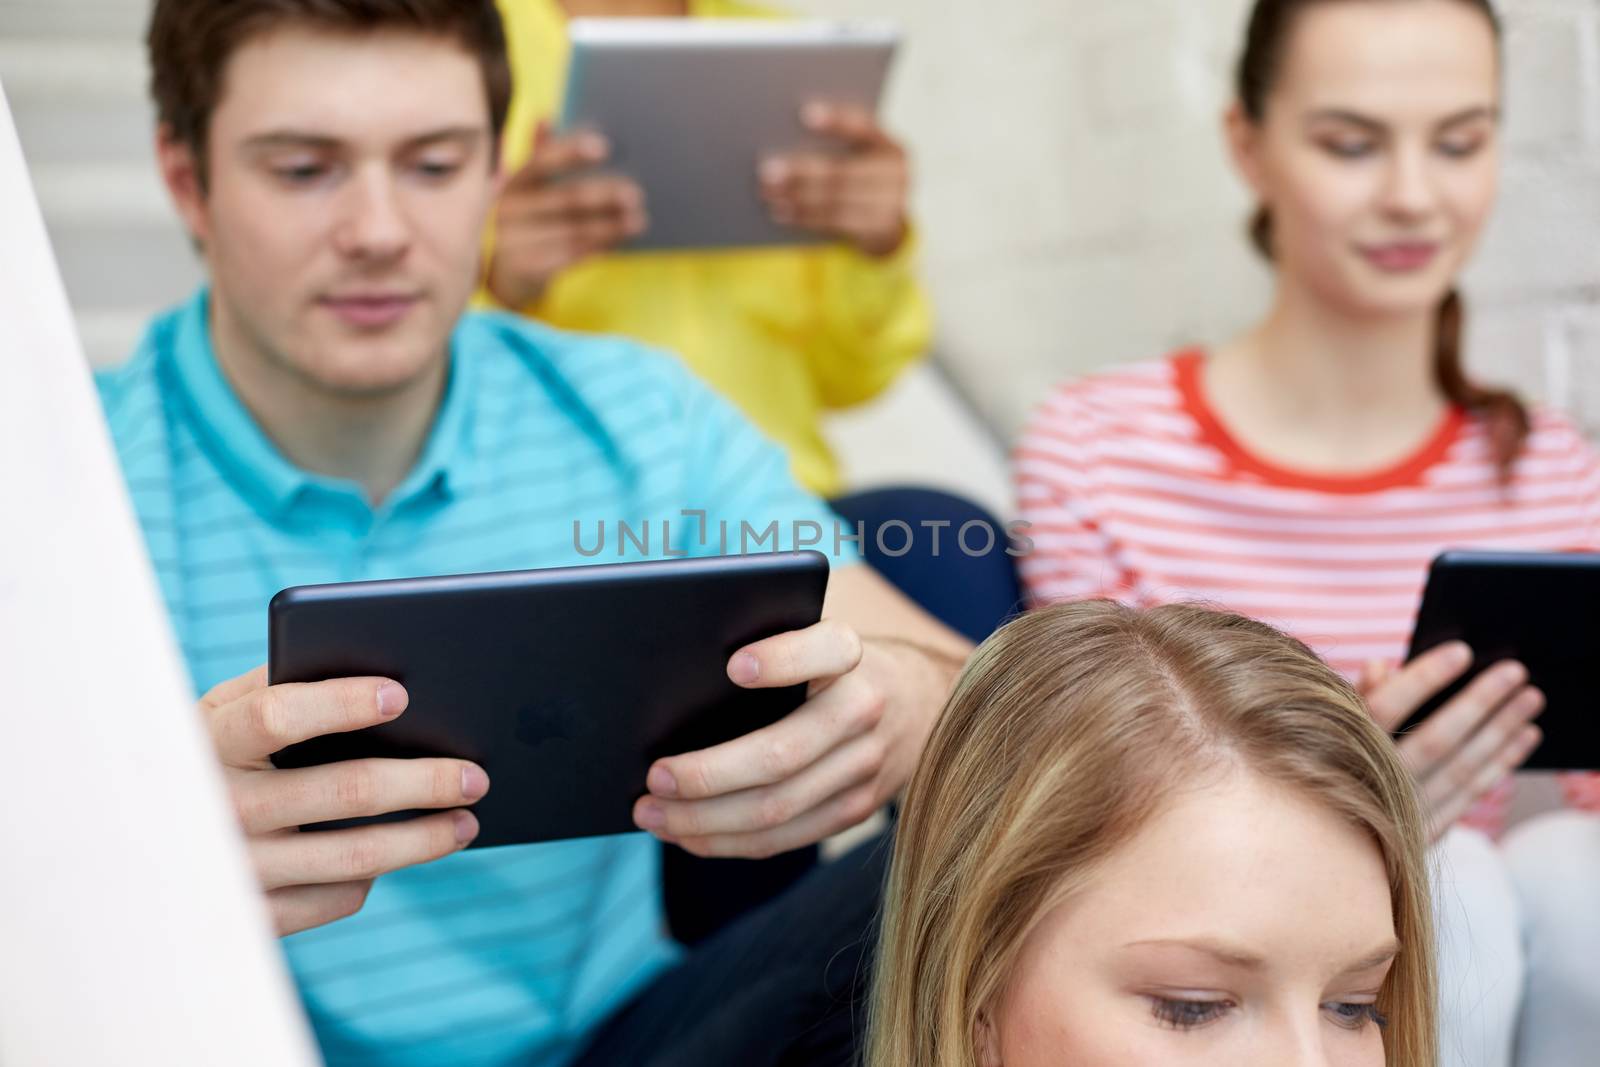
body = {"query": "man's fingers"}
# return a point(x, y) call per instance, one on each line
point(1447, 729)
point(324, 856)
point(838, 714)
point(234, 688)
point(264, 721)
point(301, 907)
point(826, 650)
point(767, 807)
point(279, 799)
point(841, 812)
point(1394, 698)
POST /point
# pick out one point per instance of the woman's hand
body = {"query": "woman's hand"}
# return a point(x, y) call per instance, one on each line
point(1465, 747)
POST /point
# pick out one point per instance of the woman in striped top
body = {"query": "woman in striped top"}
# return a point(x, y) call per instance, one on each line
point(1307, 471)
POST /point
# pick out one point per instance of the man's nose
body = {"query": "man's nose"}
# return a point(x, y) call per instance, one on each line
point(372, 223)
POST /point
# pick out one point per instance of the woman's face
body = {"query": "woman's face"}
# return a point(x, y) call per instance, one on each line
point(1378, 152)
point(1244, 924)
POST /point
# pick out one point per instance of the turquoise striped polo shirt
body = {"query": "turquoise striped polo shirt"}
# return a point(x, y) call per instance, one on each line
point(497, 956)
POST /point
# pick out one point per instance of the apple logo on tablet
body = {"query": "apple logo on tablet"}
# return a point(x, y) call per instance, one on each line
point(544, 721)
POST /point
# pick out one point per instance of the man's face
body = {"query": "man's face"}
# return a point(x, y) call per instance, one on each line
point(349, 181)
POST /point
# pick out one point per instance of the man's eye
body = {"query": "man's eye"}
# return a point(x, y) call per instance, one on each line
point(299, 173)
point(1355, 1016)
point(437, 168)
point(1187, 1014)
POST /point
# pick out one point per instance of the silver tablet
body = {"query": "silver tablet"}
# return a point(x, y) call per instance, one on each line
point(691, 107)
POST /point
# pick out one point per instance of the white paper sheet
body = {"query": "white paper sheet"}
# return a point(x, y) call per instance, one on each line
point(131, 932)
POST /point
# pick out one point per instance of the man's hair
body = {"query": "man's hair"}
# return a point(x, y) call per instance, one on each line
point(191, 41)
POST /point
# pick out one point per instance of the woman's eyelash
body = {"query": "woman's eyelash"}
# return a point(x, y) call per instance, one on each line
point(1355, 1016)
point(1187, 1014)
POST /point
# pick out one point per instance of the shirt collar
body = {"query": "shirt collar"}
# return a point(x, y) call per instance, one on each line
point(247, 456)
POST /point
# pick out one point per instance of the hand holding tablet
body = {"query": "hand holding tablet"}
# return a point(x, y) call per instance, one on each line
point(567, 686)
point(559, 209)
point(694, 109)
point(1501, 638)
point(859, 196)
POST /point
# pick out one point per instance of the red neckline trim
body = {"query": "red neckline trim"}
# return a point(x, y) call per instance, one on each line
point(1187, 366)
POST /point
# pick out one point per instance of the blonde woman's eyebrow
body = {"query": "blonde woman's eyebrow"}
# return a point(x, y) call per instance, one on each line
point(1232, 955)
point(1374, 959)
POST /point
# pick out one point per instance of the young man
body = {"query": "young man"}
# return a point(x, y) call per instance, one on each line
point(324, 411)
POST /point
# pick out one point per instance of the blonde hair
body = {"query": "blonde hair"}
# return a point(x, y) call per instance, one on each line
point(1063, 737)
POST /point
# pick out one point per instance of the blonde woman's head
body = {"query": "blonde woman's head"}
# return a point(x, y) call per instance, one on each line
point(1165, 837)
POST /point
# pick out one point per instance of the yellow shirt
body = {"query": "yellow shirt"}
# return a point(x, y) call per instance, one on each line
point(785, 333)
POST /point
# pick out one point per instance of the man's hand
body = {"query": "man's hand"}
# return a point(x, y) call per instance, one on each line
point(543, 226)
point(859, 197)
point(1463, 749)
point(825, 767)
point(315, 878)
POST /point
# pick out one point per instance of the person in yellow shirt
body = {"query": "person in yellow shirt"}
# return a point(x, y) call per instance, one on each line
point(785, 333)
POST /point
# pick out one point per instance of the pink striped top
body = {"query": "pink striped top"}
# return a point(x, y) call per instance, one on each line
point(1136, 491)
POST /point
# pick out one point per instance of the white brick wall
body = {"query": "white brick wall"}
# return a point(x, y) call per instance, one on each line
point(1076, 204)
point(1079, 209)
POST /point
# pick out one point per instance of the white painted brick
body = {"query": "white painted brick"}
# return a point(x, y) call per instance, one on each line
point(1505, 347)
point(1545, 235)
point(1133, 78)
point(1580, 339)
point(1550, 78)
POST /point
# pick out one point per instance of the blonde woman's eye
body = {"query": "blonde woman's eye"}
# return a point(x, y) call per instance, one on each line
point(1353, 1016)
point(1187, 1014)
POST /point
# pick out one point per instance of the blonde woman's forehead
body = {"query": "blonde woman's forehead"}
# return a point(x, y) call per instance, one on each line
point(1238, 872)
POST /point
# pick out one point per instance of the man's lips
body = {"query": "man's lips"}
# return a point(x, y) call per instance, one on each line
point(1399, 257)
point(370, 310)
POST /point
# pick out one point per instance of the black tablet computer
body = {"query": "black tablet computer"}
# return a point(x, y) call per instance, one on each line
point(564, 684)
point(1540, 608)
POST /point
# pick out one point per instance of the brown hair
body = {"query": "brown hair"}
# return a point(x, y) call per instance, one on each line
point(191, 41)
point(1266, 42)
point(1067, 731)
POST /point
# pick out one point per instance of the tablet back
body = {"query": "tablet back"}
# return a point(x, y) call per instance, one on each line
point(564, 685)
point(691, 107)
point(1540, 608)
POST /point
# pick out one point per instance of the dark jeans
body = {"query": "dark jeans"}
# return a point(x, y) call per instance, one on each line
point(966, 581)
point(782, 986)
